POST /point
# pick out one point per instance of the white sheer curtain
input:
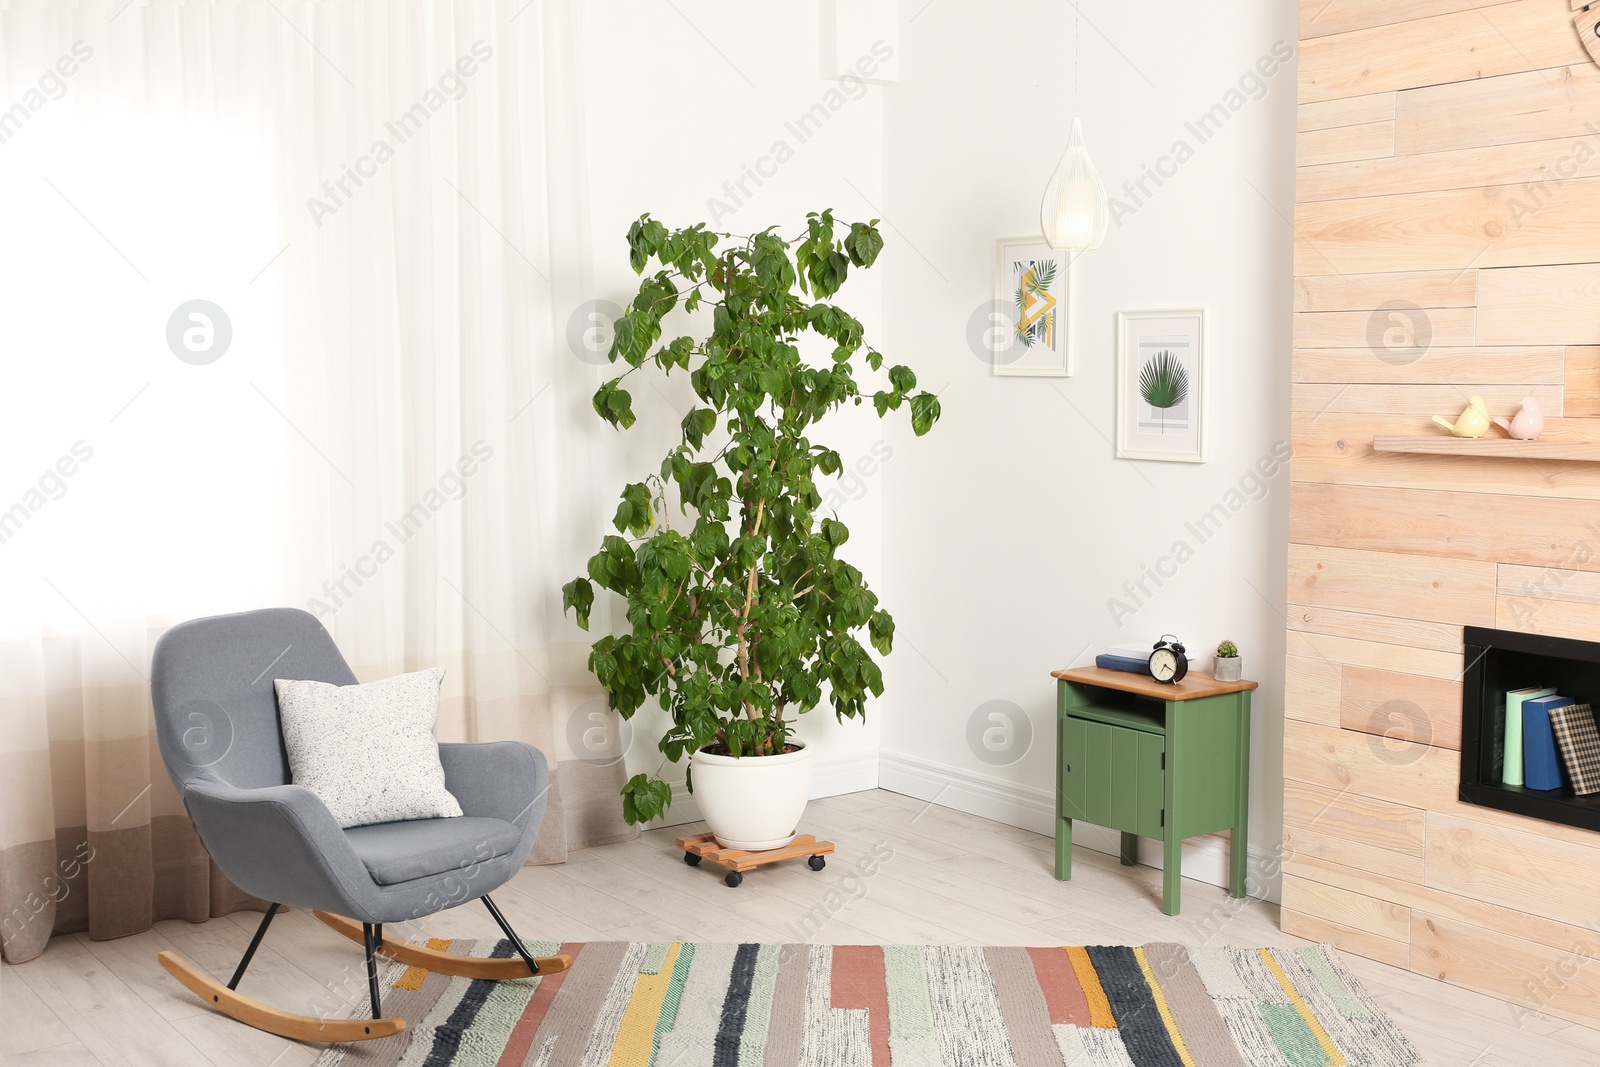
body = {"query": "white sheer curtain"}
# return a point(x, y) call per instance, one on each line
point(382, 209)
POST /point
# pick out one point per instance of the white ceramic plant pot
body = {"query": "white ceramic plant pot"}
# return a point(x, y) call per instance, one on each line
point(1228, 669)
point(753, 802)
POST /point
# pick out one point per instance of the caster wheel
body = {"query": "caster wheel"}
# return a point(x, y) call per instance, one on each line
point(691, 859)
point(816, 863)
point(733, 879)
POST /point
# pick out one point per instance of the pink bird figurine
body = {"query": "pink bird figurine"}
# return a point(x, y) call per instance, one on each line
point(1527, 424)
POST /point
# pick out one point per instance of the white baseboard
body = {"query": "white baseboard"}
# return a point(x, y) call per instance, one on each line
point(1031, 808)
point(830, 777)
point(976, 794)
point(844, 774)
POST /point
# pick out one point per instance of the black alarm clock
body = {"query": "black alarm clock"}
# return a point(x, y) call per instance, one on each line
point(1168, 663)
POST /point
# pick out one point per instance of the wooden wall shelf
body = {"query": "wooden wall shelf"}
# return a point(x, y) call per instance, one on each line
point(1494, 447)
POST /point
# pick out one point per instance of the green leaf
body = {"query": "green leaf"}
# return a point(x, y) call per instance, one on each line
point(640, 328)
point(638, 254)
point(924, 413)
point(619, 407)
point(864, 243)
point(696, 425)
point(675, 354)
point(621, 338)
point(635, 514)
point(614, 404)
point(1164, 380)
point(710, 539)
point(881, 631)
point(645, 798)
point(578, 597)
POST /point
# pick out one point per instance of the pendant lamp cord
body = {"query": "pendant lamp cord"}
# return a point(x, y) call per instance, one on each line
point(1077, 52)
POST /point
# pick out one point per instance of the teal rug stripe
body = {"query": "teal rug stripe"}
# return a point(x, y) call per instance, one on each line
point(1317, 963)
point(669, 1005)
point(758, 1017)
point(910, 1013)
point(1298, 1044)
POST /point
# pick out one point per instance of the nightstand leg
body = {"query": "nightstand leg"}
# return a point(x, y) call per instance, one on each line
point(1172, 873)
point(1239, 846)
point(1130, 849)
point(1063, 849)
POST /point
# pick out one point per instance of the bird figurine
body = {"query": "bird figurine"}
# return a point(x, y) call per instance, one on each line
point(1527, 424)
point(1473, 422)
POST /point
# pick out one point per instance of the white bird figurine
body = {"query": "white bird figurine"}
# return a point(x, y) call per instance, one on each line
point(1527, 424)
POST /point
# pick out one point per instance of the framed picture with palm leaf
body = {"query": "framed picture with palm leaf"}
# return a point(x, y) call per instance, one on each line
point(1028, 323)
point(1161, 385)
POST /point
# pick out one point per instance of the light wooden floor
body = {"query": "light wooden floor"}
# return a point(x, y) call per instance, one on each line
point(947, 878)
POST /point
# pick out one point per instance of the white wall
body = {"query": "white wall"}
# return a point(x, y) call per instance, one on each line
point(997, 541)
point(684, 101)
point(1007, 530)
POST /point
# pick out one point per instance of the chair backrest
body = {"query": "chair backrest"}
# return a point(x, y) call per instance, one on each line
point(215, 706)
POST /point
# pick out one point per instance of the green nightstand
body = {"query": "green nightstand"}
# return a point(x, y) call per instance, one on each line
point(1153, 760)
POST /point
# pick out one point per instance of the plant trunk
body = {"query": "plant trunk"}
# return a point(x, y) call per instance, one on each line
point(751, 712)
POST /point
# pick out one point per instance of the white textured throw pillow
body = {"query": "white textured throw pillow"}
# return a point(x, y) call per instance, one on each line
point(368, 751)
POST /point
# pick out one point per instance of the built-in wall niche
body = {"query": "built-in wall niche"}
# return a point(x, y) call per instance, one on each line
point(1497, 662)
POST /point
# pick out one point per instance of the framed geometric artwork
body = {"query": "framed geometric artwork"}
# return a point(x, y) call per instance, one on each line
point(1161, 385)
point(1029, 334)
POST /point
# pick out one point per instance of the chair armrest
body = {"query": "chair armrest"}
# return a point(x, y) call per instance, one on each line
point(279, 843)
point(498, 779)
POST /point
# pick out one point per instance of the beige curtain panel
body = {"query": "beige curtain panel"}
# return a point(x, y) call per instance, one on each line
point(291, 285)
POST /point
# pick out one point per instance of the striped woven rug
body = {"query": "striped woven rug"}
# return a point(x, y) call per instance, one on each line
point(722, 1005)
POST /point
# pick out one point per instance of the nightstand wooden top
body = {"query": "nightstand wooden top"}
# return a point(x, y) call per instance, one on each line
point(1195, 684)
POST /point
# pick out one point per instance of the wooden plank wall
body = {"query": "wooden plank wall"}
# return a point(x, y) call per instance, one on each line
point(1448, 187)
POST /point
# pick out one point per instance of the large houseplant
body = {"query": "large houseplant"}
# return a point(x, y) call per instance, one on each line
point(741, 614)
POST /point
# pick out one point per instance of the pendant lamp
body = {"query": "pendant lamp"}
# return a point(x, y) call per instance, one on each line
point(1075, 214)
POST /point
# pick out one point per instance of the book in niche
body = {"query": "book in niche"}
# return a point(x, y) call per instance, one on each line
point(1541, 767)
point(1510, 754)
point(1578, 740)
point(1497, 744)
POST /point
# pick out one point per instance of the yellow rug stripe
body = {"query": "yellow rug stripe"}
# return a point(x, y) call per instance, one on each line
point(412, 978)
point(1334, 1059)
point(1161, 1006)
point(1100, 1016)
point(636, 1035)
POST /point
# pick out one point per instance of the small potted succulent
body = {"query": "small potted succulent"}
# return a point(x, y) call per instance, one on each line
point(1227, 665)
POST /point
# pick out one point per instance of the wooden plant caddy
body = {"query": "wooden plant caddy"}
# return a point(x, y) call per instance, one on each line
point(697, 847)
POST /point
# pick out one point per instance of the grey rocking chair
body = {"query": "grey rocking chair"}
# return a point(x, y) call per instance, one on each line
point(217, 724)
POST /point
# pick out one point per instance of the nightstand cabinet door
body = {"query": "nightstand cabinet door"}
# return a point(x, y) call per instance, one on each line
point(1072, 770)
point(1112, 776)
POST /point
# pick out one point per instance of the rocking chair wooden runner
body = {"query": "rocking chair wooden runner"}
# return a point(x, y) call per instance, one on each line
point(217, 724)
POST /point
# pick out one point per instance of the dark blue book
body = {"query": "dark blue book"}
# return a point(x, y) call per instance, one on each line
point(1541, 766)
point(1106, 661)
